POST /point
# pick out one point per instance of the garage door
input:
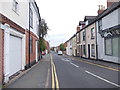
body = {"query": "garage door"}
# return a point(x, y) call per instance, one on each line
point(15, 54)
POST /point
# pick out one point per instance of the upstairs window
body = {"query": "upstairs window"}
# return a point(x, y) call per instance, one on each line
point(31, 18)
point(84, 36)
point(15, 6)
point(93, 33)
point(100, 25)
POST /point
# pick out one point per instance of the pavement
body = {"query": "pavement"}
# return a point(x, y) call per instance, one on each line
point(36, 77)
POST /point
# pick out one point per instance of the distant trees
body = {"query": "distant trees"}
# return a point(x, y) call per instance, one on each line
point(62, 48)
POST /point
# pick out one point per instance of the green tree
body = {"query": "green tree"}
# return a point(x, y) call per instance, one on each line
point(62, 48)
point(42, 33)
point(42, 44)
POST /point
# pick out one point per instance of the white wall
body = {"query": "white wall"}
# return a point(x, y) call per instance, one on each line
point(20, 18)
point(110, 20)
point(35, 20)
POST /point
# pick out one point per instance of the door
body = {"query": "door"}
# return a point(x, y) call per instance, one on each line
point(15, 54)
point(88, 50)
point(36, 51)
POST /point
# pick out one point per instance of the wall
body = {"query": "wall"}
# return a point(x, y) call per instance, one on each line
point(108, 21)
point(82, 43)
point(90, 41)
point(33, 54)
point(21, 17)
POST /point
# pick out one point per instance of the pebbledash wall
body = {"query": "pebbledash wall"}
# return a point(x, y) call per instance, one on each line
point(1, 56)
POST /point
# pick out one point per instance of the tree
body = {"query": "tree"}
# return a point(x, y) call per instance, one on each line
point(42, 33)
point(62, 48)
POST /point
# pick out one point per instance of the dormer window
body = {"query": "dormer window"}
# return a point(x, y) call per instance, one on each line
point(15, 6)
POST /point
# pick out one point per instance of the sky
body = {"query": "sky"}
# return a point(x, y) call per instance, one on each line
point(63, 16)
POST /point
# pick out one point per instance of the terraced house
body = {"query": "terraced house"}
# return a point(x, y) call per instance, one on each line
point(19, 24)
point(98, 37)
point(108, 36)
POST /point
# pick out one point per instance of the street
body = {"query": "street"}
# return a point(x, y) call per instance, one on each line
point(69, 74)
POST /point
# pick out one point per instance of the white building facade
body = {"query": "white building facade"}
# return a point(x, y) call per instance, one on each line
point(108, 34)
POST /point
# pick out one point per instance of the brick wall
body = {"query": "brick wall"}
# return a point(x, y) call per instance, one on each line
point(33, 54)
point(1, 55)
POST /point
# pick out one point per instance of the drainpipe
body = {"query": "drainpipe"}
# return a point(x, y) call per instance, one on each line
point(29, 66)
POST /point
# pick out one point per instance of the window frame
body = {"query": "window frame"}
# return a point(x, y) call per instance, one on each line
point(31, 45)
point(84, 36)
point(106, 47)
point(93, 55)
point(15, 6)
point(31, 18)
point(92, 33)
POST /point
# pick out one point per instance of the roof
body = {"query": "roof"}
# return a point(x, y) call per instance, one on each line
point(81, 23)
point(89, 18)
point(113, 7)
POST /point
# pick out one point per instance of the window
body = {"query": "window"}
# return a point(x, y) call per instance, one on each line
point(112, 46)
point(84, 36)
point(115, 46)
point(108, 46)
point(78, 37)
point(31, 18)
point(92, 33)
point(84, 50)
point(93, 50)
point(15, 6)
point(31, 44)
point(100, 25)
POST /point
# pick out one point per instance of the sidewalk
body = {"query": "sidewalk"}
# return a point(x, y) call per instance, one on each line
point(37, 77)
point(103, 63)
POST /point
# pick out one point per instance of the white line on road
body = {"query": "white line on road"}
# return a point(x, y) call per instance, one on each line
point(74, 65)
point(102, 79)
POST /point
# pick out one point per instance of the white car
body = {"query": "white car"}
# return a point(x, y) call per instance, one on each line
point(60, 53)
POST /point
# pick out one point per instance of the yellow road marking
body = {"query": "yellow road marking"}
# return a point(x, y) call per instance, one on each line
point(100, 65)
point(55, 83)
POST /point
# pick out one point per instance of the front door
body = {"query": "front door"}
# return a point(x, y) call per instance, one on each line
point(88, 50)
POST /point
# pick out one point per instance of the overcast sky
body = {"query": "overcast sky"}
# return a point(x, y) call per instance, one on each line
point(63, 16)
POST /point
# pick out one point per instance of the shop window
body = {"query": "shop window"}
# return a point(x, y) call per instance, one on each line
point(108, 46)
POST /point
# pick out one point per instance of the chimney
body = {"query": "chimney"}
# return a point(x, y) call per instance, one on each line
point(78, 28)
point(110, 2)
point(101, 9)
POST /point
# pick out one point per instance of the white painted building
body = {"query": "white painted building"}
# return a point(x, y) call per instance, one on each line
point(108, 34)
point(14, 19)
point(69, 48)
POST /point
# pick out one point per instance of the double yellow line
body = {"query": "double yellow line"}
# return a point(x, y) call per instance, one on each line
point(55, 83)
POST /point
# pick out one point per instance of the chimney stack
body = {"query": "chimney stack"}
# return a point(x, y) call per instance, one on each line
point(101, 9)
point(78, 28)
point(110, 2)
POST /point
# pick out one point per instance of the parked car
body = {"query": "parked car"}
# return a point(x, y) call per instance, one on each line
point(43, 53)
point(60, 53)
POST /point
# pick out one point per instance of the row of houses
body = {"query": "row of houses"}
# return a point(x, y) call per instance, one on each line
point(19, 35)
point(98, 37)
